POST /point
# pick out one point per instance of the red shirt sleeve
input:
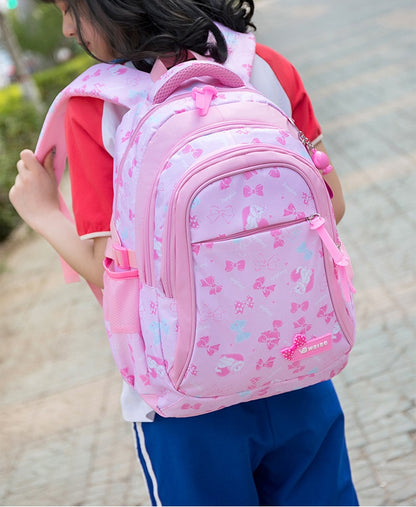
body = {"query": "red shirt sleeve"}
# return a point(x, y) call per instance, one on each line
point(90, 166)
point(302, 110)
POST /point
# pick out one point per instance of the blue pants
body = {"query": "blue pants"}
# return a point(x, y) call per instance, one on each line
point(283, 450)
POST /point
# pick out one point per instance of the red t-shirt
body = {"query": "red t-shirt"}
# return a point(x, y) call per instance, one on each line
point(91, 166)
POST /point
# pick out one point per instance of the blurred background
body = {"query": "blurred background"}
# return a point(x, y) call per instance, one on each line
point(62, 438)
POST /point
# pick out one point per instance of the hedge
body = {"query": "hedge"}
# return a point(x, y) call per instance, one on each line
point(20, 125)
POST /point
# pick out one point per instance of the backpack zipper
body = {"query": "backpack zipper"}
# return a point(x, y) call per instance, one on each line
point(257, 230)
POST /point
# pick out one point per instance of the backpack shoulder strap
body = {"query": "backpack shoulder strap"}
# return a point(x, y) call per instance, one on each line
point(241, 51)
point(113, 83)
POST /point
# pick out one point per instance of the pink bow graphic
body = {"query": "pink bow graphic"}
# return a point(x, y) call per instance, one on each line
point(250, 174)
point(274, 173)
point(153, 307)
point(239, 266)
point(262, 263)
point(128, 378)
point(260, 285)
point(193, 222)
point(291, 210)
point(323, 313)
point(303, 306)
point(225, 183)
point(210, 282)
point(196, 153)
point(282, 137)
point(278, 241)
point(188, 406)
point(257, 190)
point(204, 344)
point(208, 314)
point(265, 364)
point(307, 198)
point(240, 305)
point(145, 379)
point(298, 341)
point(271, 337)
point(301, 323)
point(216, 212)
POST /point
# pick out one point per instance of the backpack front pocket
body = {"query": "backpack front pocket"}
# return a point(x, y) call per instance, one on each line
point(257, 293)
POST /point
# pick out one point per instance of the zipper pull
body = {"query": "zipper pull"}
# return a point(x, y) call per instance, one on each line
point(338, 254)
point(317, 223)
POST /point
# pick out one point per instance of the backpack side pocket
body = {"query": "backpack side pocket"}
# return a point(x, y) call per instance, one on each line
point(121, 298)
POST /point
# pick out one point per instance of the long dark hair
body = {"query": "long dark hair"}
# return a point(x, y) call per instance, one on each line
point(141, 30)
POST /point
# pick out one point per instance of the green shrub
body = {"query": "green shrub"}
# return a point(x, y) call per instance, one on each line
point(20, 125)
point(51, 81)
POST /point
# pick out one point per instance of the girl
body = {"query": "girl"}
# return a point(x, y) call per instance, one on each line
point(283, 450)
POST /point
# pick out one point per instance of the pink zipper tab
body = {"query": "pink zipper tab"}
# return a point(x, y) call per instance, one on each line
point(338, 255)
point(318, 224)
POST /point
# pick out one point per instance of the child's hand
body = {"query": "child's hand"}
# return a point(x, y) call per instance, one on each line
point(35, 194)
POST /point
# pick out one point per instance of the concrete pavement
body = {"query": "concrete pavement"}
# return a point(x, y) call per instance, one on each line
point(62, 439)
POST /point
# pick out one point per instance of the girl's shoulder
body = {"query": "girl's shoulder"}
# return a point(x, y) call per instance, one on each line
point(289, 78)
point(284, 70)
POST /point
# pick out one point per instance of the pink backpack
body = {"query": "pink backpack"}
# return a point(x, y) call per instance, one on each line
point(225, 279)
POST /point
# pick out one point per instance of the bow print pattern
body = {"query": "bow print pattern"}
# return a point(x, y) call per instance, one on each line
point(257, 190)
point(282, 137)
point(203, 343)
point(241, 305)
point(259, 284)
point(226, 213)
point(299, 341)
point(302, 249)
point(225, 183)
point(271, 337)
point(239, 266)
point(188, 406)
point(210, 282)
point(274, 173)
point(261, 262)
point(291, 210)
point(248, 175)
point(208, 314)
point(323, 313)
point(193, 222)
point(128, 378)
point(278, 241)
point(238, 327)
point(196, 153)
point(303, 306)
point(302, 325)
point(265, 364)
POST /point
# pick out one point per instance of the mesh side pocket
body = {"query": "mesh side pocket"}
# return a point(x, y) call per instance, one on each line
point(121, 298)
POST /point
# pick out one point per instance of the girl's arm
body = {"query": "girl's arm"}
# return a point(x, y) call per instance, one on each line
point(36, 199)
point(332, 179)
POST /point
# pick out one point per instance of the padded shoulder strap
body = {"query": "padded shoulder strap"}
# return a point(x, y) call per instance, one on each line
point(241, 51)
point(114, 83)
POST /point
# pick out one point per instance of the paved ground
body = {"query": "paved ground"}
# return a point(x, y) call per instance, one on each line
point(63, 441)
